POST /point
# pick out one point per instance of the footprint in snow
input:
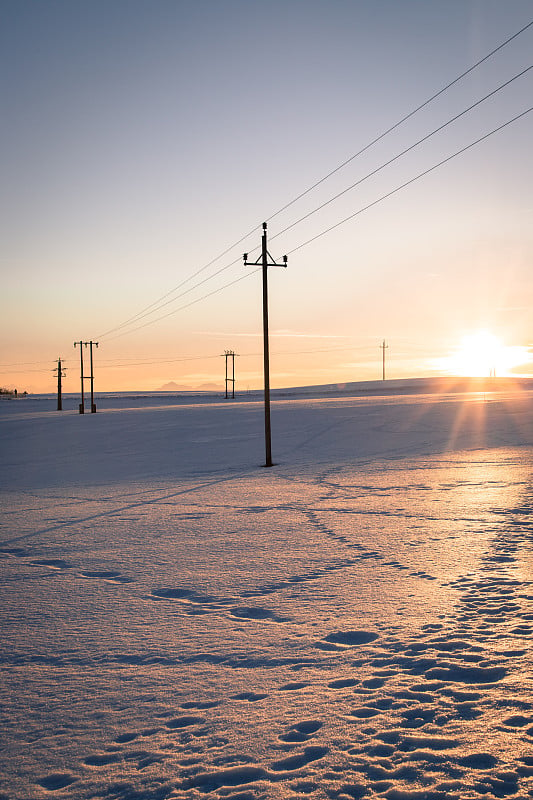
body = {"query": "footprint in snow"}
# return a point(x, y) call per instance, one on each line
point(188, 595)
point(107, 575)
point(292, 687)
point(347, 639)
point(461, 674)
point(301, 731)
point(56, 781)
point(300, 760)
point(517, 721)
point(342, 683)
point(234, 776)
point(17, 552)
point(103, 759)
point(52, 563)
point(256, 613)
point(184, 722)
point(131, 736)
point(251, 697)
point(365, 712)
point(200, 704)
point(124, 738)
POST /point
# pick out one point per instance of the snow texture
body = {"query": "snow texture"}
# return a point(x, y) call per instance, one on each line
point(180, 622)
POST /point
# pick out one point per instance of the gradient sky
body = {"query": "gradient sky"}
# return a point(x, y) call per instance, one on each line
point(142, 138)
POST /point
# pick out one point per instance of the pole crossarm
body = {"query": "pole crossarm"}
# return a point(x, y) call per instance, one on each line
point(263, 259)
point(259, 262)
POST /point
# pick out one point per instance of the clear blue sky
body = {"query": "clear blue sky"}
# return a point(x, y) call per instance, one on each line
point(140, 139)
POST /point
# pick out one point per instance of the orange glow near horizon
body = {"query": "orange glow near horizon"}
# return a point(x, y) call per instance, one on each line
point(482, 354)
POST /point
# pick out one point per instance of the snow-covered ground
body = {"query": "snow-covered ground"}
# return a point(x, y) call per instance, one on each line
point(179, 621)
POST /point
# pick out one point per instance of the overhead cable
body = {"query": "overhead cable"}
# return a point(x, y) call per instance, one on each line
point(151, 310)
point(187, 305)
point(156, 304)
point(401, 121)
point(341, 222)
point(141, 315)
point(411, 180)
point(402, 153)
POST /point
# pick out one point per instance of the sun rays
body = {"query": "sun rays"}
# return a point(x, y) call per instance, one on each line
point(482, 355)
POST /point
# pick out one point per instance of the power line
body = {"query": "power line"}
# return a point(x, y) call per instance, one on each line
point(122, 363)
point(156, 304)
point(25, 371)
point(410, 181)
point(129, 365)
point(110, 364)
point(403, 152)
point(141, 315)
point(341, 222)
point(24, 363)
point(336, 225)
point(187, 305)
point(151, 310)
point(402, 120)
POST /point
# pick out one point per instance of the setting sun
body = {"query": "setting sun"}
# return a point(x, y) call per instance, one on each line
point(482, 354)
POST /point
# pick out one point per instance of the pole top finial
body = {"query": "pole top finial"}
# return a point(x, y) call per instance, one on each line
point(264, 226)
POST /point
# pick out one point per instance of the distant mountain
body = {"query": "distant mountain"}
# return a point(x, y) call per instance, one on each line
point(211, 387)
point(174, 387)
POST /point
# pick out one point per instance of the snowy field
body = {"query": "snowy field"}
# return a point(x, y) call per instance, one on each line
point(180, 622)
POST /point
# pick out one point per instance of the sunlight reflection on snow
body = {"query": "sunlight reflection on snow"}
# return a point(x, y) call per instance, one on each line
point(356, 621)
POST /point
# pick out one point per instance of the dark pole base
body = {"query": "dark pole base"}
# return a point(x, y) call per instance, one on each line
point(82, 409)
point(93, 408)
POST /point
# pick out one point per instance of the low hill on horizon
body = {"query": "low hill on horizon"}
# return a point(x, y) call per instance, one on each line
point(430, 385)
point(172, 386)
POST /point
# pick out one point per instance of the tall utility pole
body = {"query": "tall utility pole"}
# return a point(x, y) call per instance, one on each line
point(83, 377)
point(384, 347)
point(230, 354)
point(266, 261)
point(60, 374)
point(82, 404)
point(93, 404)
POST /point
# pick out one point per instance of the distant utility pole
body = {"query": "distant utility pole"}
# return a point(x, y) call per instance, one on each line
point(82, 404)
point(230, 354)
point(384, 347)
point(93, 404)
point(60, 374)
point(266, 261)
point(83, 377)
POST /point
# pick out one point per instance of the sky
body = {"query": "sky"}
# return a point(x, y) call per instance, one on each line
point(144, 143)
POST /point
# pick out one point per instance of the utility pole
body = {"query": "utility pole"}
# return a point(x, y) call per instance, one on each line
point(83, 377)
point(384, 347)
point(60, 374)
point(265, 261)
point(93, 404)
point(82, 404)
point(230, 354)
